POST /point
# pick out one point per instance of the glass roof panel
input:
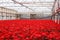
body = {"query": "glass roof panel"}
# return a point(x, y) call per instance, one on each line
point(37, 6)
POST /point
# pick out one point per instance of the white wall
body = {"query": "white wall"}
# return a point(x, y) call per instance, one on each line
point(7, 16)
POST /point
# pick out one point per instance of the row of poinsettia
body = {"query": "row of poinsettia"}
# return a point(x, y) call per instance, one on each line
point(29, 30)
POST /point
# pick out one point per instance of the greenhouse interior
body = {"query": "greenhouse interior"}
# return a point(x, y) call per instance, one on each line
point(29, 19)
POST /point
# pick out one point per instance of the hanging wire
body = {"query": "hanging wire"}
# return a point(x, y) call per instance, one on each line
point(22, 4)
